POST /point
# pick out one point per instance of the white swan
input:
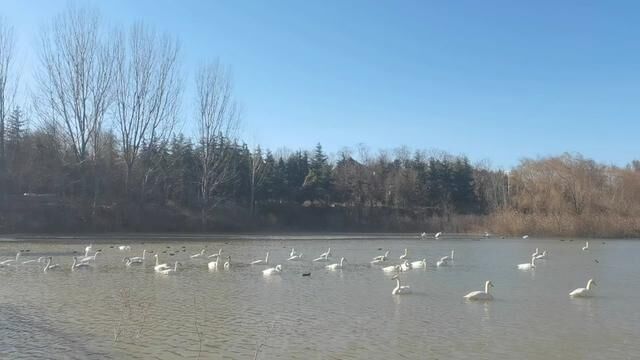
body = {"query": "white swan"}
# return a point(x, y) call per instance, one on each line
point(336, 266)
point(392, 268)
point(405, 266)
point(9, 261)
point(444, 261)
point(528, 266)
point(584, 292)
point(216, 255)
point(79, 266)
point(327, 254)
point(170, 271)
point(293, 252)
point(419, 264)
point(525, 236)
point(90, 258)
point(132, 261)
point(586, 246)
point(381, 258)
point(273, 270)
point(295, 257)
point(324, 256)
point(138, 258)
point(400, 289)
point(159, 267)
point(481, 295)
point(404, 256)
point(50, 266)
point(542, 256)
point(487, 235)
point(198, 255)
point(536, 253)
point(124, 247)
point(213, 265)
point(437, 235)
point(227, 264)
point(261, 262)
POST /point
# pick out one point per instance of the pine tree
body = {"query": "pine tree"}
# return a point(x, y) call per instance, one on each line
point(318, 182)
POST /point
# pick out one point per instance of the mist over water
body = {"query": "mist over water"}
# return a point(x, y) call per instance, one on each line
point(116, 312)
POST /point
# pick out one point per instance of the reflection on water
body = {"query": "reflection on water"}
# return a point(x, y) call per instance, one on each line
point(114, 311)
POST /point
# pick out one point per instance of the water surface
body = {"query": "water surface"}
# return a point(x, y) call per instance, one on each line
point(115, 312)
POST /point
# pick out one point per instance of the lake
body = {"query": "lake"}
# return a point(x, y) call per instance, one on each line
point(115, 312)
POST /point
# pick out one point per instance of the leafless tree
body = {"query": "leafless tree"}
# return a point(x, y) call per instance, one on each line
point(7, 86)
point(147, 91)
point(218, 119)
point(75, 79)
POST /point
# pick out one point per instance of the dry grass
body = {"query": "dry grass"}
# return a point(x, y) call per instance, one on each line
point(565, 225)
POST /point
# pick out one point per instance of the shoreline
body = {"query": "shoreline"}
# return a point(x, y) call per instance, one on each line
point(159, 237)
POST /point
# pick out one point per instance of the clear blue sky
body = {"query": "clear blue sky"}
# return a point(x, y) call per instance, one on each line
point(497, 80)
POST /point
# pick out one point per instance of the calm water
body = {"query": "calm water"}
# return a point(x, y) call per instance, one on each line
point(345, 314)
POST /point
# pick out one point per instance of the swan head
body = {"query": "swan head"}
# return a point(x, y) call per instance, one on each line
point(489, 283)
point(278, 267)
point(591, 283)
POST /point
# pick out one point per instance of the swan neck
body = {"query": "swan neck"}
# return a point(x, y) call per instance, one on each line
point(486, 287)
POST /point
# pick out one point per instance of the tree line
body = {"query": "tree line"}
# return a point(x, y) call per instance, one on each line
point(99, 150)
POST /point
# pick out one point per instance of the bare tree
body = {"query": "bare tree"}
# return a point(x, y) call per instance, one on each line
point(218, 119)
point(147, 91)
point(75, 78)
point(7, 87)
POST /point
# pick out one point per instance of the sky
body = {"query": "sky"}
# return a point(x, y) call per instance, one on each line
point(492, 80)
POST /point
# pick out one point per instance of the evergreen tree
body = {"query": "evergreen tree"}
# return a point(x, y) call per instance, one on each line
point(318, 181)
